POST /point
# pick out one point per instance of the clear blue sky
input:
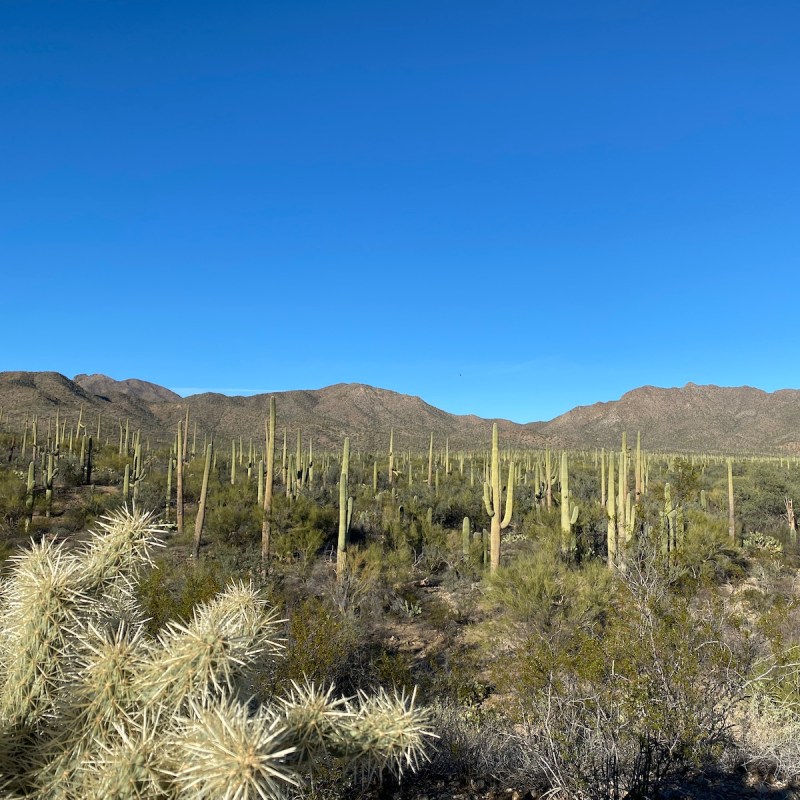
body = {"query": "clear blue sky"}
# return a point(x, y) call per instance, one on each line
point(507, 208)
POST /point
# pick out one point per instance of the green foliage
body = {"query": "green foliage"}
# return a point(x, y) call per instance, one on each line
point(706, 555)
point(321, 643)
point(171, 591)
point(539, 589)
point(12, 500)
point(759, 496)
point(685, 480)
point(620, 711)
point(232, 516)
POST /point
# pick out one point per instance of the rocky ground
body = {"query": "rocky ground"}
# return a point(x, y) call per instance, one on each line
point(702, 787)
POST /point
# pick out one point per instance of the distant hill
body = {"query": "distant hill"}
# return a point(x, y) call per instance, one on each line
point(364, 413)
point(104, 386)
point(689, 419)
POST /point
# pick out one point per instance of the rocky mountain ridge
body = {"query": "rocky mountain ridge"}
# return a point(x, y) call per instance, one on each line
point(691, 418)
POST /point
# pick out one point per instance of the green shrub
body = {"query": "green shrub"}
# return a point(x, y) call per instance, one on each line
point(618, 709)
point(12, 500)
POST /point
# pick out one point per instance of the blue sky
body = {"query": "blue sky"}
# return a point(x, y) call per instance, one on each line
point(507, 208)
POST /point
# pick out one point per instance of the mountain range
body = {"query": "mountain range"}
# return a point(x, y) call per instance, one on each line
point(691, 418)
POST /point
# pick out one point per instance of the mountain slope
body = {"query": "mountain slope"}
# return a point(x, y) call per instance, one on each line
point(690, 418)
point(364, 413)
point(104, 386)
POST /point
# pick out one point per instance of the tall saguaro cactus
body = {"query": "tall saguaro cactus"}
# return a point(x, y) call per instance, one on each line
point(179, 480)
point(569, 512)
point(731, 518)
point(492, 499)
point(345, 512)
point(639, 473)
point(466, 538)
point(201, 509)
point(266, 525)
point(391, 457)
point(611, 513)
point(52, 471)
point(548, 480)
point(29, 492)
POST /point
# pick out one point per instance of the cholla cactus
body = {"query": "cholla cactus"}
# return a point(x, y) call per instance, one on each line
point(91, 707)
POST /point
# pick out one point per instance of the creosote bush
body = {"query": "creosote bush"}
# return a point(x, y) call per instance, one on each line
point(92, 706)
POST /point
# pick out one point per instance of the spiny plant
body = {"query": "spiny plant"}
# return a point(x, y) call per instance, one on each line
point(93, 707)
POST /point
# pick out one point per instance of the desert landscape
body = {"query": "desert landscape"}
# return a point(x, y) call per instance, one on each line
point(493, 608)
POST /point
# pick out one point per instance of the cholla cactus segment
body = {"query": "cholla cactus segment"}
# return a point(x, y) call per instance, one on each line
point(313, 719)
point(255, 620)
point(104, 690)
point(126, 765)
point(61, 773)
point(387, 732)
point(40, 605)
point(91, 707)
point(214, 653)
point(222, 752)
point(120, 548)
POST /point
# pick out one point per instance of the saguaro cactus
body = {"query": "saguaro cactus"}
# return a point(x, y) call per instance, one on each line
point(791, 519)
point(466, 538)
point(670, 519)
point(52, 471)
point(569, 511)
point(548, 480)
point(29, 491)
point(89, 464)
point(391, 457)
point(611, 513)
point(168, 498)
point(430, 463)
point(731, 518)
point(179, 480)
point(345, 513)
point(266, 525)
point(492, 499)
point(201, 508)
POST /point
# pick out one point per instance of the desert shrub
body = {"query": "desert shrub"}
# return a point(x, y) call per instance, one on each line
point(322, 645)
point(74, 519)
point(233, 517)
point(171, 591)
point(12, 500)
point(618, 708)
point(70, 473)
point(706, 554)
point(473, 743)
point(452, 504)
point(759, 499)
point(539, 589)
point(303, 530)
